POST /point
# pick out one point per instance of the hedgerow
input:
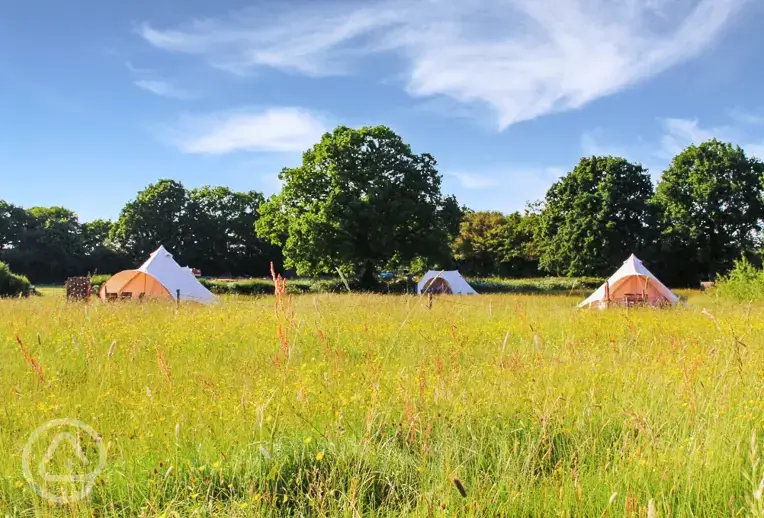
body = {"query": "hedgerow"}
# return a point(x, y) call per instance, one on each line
point(11, 284)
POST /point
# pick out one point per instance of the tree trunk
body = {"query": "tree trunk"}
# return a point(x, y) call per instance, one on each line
point(368, 279)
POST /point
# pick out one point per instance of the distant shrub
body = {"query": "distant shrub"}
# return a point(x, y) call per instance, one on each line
point(96, 281)
point(99, 278)
point(744, 282)
point(338, 286)
point(399, 285)
point(252, 286)
point(536, 285)
point(12, 285)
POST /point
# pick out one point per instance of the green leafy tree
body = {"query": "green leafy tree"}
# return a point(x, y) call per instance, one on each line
point(222, 234)
point(13, 223)
point(44, 243)
point(491, 243)
point(479, 247)
point(595, 216)
point(520, 258)
point(360, 200)
point(101, 255)
point(211, 228)
point(95, 234)
point(529, 229)
point(710, 203)
point(48, 246)
point(156, 217)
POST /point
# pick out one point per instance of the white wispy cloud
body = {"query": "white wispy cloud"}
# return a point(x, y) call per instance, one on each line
point(311, 39)
point(522, 58)
point(595, 143)
point(163, 89)
point(674, 136)
point(680, 133)
point(512, 187)
point(277, 129)
point(508, 187)
point(137, 70)
point(746, 116)
point(475, 180)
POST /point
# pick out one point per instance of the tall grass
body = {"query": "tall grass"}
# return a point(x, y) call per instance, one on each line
point(496, 405)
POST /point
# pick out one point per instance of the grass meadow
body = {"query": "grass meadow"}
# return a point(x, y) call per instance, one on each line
point(349, 405)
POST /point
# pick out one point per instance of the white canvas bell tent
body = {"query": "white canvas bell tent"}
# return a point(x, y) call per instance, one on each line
point(448, 282)
point(631, 283)
point(160, 277)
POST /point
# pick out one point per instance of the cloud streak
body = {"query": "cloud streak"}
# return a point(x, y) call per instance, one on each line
point(521, 58)
point(163, 89)
point(593, 144)
point(475, 180)
point(676, 135)
point(681, 133)
point(746, 117)
point(281, 129)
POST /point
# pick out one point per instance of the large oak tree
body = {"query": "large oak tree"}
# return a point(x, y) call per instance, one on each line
point(360, 201)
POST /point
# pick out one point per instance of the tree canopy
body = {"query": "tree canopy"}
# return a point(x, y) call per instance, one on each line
point(360, 201)
point(492, 243)
point(155, 216)
point(710, 199)
point(211, 228)
point(595, 216)
point(221, 235)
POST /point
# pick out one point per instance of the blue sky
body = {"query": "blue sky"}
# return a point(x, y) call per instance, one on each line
point(102, 98)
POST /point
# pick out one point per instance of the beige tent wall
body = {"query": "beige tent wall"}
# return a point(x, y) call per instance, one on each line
point(116, 281)
point(136, 283)
point(637, 285)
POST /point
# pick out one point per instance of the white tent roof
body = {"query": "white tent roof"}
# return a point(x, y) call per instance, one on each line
point(163, 268)
point(454, 279)
point(631, 267)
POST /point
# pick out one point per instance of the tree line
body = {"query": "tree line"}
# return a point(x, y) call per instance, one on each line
point(362, 202)
point(705, 213)
point(210, 228)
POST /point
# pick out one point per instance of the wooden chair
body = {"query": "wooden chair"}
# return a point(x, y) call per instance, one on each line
point(126, 295)
point(634, 298)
